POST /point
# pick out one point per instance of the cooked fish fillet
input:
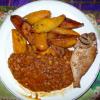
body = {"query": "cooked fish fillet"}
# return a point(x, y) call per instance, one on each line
point(83, 56)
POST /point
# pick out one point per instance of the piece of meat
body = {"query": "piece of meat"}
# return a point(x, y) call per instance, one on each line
point(83, 56)
point(41, 73)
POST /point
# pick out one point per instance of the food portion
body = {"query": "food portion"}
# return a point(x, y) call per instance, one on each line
point(37, 34)
point(48, 24)
point(34, 17)
point(64, 42)
point(40, 41)
point(66, 32)
point(18, 42)
point(42, 59)
point(46, 73)
point(83, 56)
point(71, 24)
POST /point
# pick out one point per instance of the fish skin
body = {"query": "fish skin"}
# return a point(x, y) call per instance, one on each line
point(83, 56)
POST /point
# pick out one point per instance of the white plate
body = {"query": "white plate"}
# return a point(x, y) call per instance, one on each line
point(56, 8)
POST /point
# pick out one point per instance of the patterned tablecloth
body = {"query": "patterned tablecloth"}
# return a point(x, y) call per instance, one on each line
point(92, 94)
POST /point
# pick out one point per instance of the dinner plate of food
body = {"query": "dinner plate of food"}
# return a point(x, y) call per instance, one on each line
point(49, 50)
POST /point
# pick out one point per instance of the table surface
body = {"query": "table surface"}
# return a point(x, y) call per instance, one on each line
point(92, 94)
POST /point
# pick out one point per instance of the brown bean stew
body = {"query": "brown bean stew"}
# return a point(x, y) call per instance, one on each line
point(45, 73)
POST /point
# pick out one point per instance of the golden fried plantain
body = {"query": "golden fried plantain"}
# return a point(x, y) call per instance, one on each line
point(49, 51)
point(36, 16)
point(67, 32)
point(40, 41)
point(26, 33)
point(48, 24)
point(51, 35)
point(65, 42)
point(19, 43)
point(30, 48)
point(71, 24)
point(17, 21)
point(23, 27)
point(54, 51)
